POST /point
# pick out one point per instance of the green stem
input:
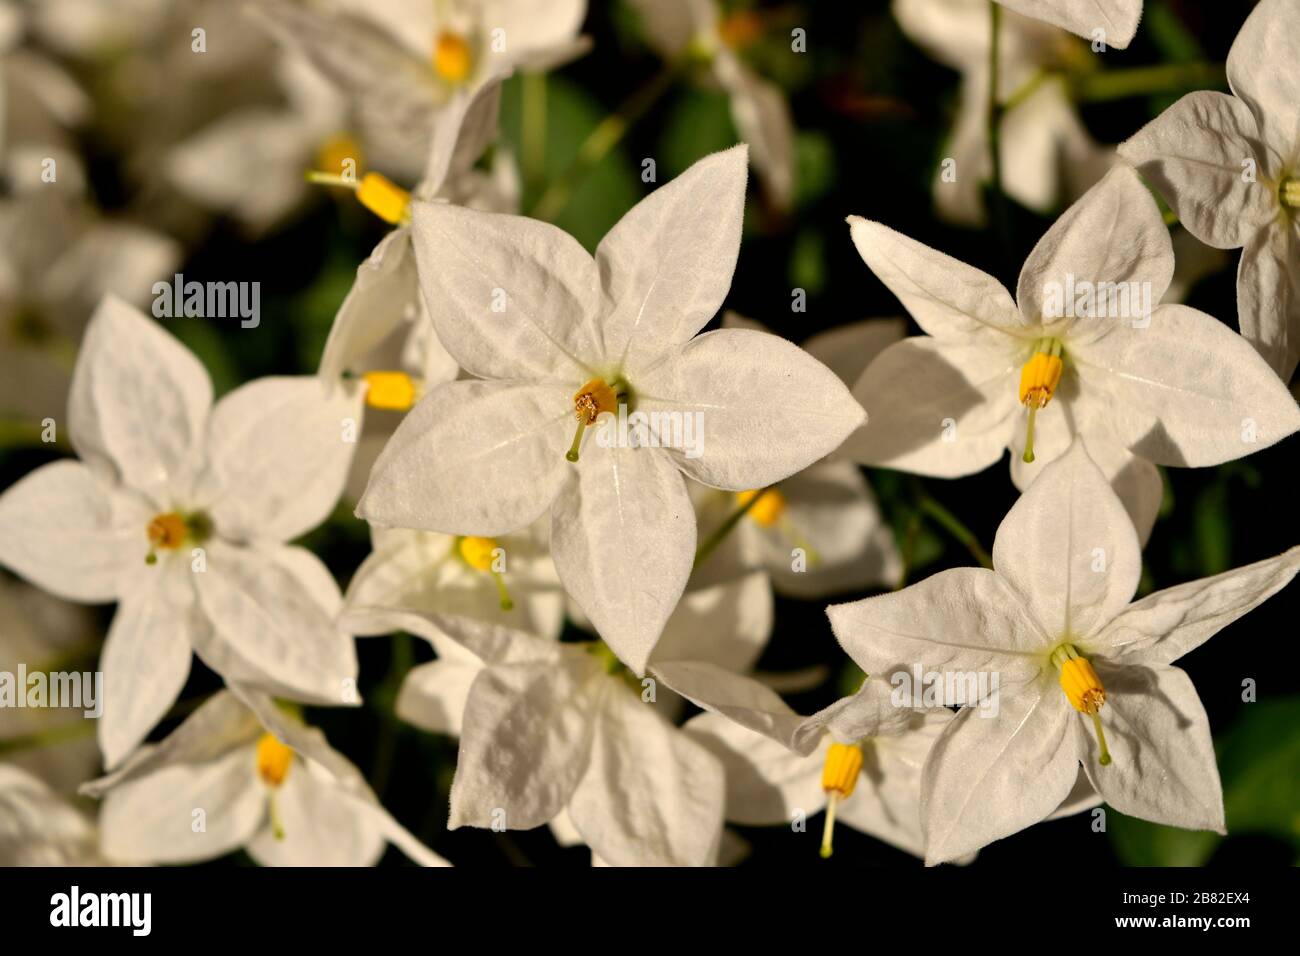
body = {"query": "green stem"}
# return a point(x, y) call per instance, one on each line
point(401, 662)
point(534, 129)
point(601, 140)
point(1169, 78)
point(952, 524)
point(72, 730)
point(724, 529)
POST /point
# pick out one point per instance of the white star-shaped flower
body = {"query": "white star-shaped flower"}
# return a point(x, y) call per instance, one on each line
point(180, 512)
point(261, 780)
point(1085, 349)
point(554, 334)
point(1230, 168)
point(1085, 676)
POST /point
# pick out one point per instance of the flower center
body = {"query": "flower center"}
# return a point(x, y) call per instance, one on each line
point(452, 58)
point(1038, 380)
point(484, 554)
point(767, 510)
point(376, 192)
point(741, 28)
point(170, 531)
point(1290, 192)
point(273, 762)
point(839, 776)
point(1082, 689)
point(393, 391)
point(589, 403)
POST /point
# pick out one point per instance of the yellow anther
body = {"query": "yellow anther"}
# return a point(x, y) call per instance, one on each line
point(839, 776)
point(394, 391)
point(589, 403)
point(478, 553)
point(168, 531)
point(1082, 689)
point(767, 510)
point(741, 28)
point(452, 58)
point(1039, 378)
point(273, 760)
point(1290, 192)
point(384, 198)
point(339, 155)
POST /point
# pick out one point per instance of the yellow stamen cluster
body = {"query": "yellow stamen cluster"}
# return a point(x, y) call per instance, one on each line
point(839, 776)
point(1082, 689)
point(741, 28)
point(452, 57)
point(337, 152)
point(168, 531)
point(393, 391)
point(1289, 192)
point(273, 760)
point(589, 403)
point(1039, 378)
point(767, 510)
point(481, 555)
point(384, 198)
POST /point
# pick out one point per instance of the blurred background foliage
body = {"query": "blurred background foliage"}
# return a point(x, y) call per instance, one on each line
point(873, 114)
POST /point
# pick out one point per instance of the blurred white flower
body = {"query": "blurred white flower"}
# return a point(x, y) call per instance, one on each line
point(179, 511)
point(1113, 22)
point(558, 334)
point(1140, 382)
point(244, 773)
point(40, 828)
point(1047, 154)
point(1230, 168)
point(1084, 675)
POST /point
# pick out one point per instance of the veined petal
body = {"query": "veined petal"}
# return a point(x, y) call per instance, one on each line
point(321, 826)
point(139, 401)
point(1113, 234)
point(667, 265)
point(377, 305)
point(948, 299)
point(70, 532)
point(727, 624)
point(279, 451)
point(510, 297)
point(1069, 550)
point(433, 695)
point(1164, 626)
point(936, 407)
point(623, 539)
point(740, 699)
point(1195, 153)
point(1259, 70)
point(766, 409)
point(1162, 759)
point(479, 458)
point(1268, 296)
point(989, 777)
point(1186, 390)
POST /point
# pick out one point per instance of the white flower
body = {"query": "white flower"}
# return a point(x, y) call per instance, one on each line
point(1172, 387)
point(1047, 153)
point(698, 30)
point(1111, 21)
point(40, 828)
point(550, 727)
point(254, 777)
point(179, 511)
point(556, 334)
point(1230, 168)
point(1085, 676)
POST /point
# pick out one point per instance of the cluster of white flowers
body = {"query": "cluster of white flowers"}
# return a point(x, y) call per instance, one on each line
point(536, 435)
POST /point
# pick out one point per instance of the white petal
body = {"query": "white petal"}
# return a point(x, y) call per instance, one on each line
point(989, 777)
point(321, 826)
point(1117, 19)
point(462, 132)
point(1194, 153)
point(145, 664)
point(385, 291)
point(1113, 234)
point(741, 699)
point(667, 265)
point(869, 712)
point(526, 742)
point(480, 458)
point(139, 401)
point(761, 112)
point(847, 350)
point(1162, 759)
point(272, 613)
point(1164, 626)
point(671, 25)
point(652, 796)
point(623, 539)
point(1069, 549)
point(765, 408)
point(433, 695)
point(279, 454)
point(1260, 69)
point(963, 619)
point(948, 299)
point(1268, 296)
point(727, 624)
point(937, 407)
point(766, 783)
point(511, 298)
point(1186, 390)
point(71, 533)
